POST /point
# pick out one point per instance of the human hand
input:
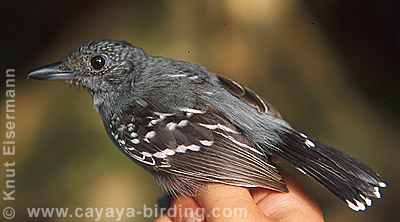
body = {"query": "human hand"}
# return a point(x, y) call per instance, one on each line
point(219, 203)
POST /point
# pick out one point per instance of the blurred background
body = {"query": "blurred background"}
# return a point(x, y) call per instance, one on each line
point(330, 67)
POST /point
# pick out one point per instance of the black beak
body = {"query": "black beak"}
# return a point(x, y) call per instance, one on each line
point(51, 72)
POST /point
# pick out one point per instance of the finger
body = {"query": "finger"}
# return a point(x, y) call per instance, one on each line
point(185, 209)
point(225, 203)
point(291, 206)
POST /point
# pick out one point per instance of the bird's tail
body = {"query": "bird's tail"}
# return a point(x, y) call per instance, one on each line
point(350, 180)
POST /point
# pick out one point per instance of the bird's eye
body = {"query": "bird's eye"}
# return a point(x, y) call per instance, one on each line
point(97, 62)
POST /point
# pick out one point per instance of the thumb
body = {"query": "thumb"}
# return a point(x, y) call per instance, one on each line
point(229, 203)
point(296, 205)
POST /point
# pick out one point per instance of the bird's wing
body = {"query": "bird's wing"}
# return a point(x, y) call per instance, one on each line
point(249, 97)
point(197, 144)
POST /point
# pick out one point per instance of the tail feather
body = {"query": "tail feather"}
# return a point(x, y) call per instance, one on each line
point(347, 178)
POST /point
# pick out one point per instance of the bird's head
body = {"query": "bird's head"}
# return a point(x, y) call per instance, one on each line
point(98, 66)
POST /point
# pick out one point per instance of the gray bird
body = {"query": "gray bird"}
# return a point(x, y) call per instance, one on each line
point(188, 126)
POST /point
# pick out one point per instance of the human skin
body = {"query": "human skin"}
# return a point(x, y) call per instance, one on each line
point(262, 205)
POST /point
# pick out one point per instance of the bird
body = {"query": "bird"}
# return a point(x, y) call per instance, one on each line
point(189, 127)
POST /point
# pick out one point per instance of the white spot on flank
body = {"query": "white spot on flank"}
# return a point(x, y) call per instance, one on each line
point(352, 205)
point(360, 205)
point(121, 142)
point(133, 134)
point(382, 184)
point(121, 127)
point(147, 154)
point(309, 143)
point(143, 159)
point(206, 142)
point(135, 141)
point(209, 126)
point(227, 129)
point(163, 115)
point(190, 110)
point(182, 123)
point(155, 121)
point(218, 126)
point(150, 134)
point(181, 149)
point(168, 152)
point(116, 136)
point(160, 155)
point(193, 147)
point(171, 126)
point(193, 77)
point(131, 148)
